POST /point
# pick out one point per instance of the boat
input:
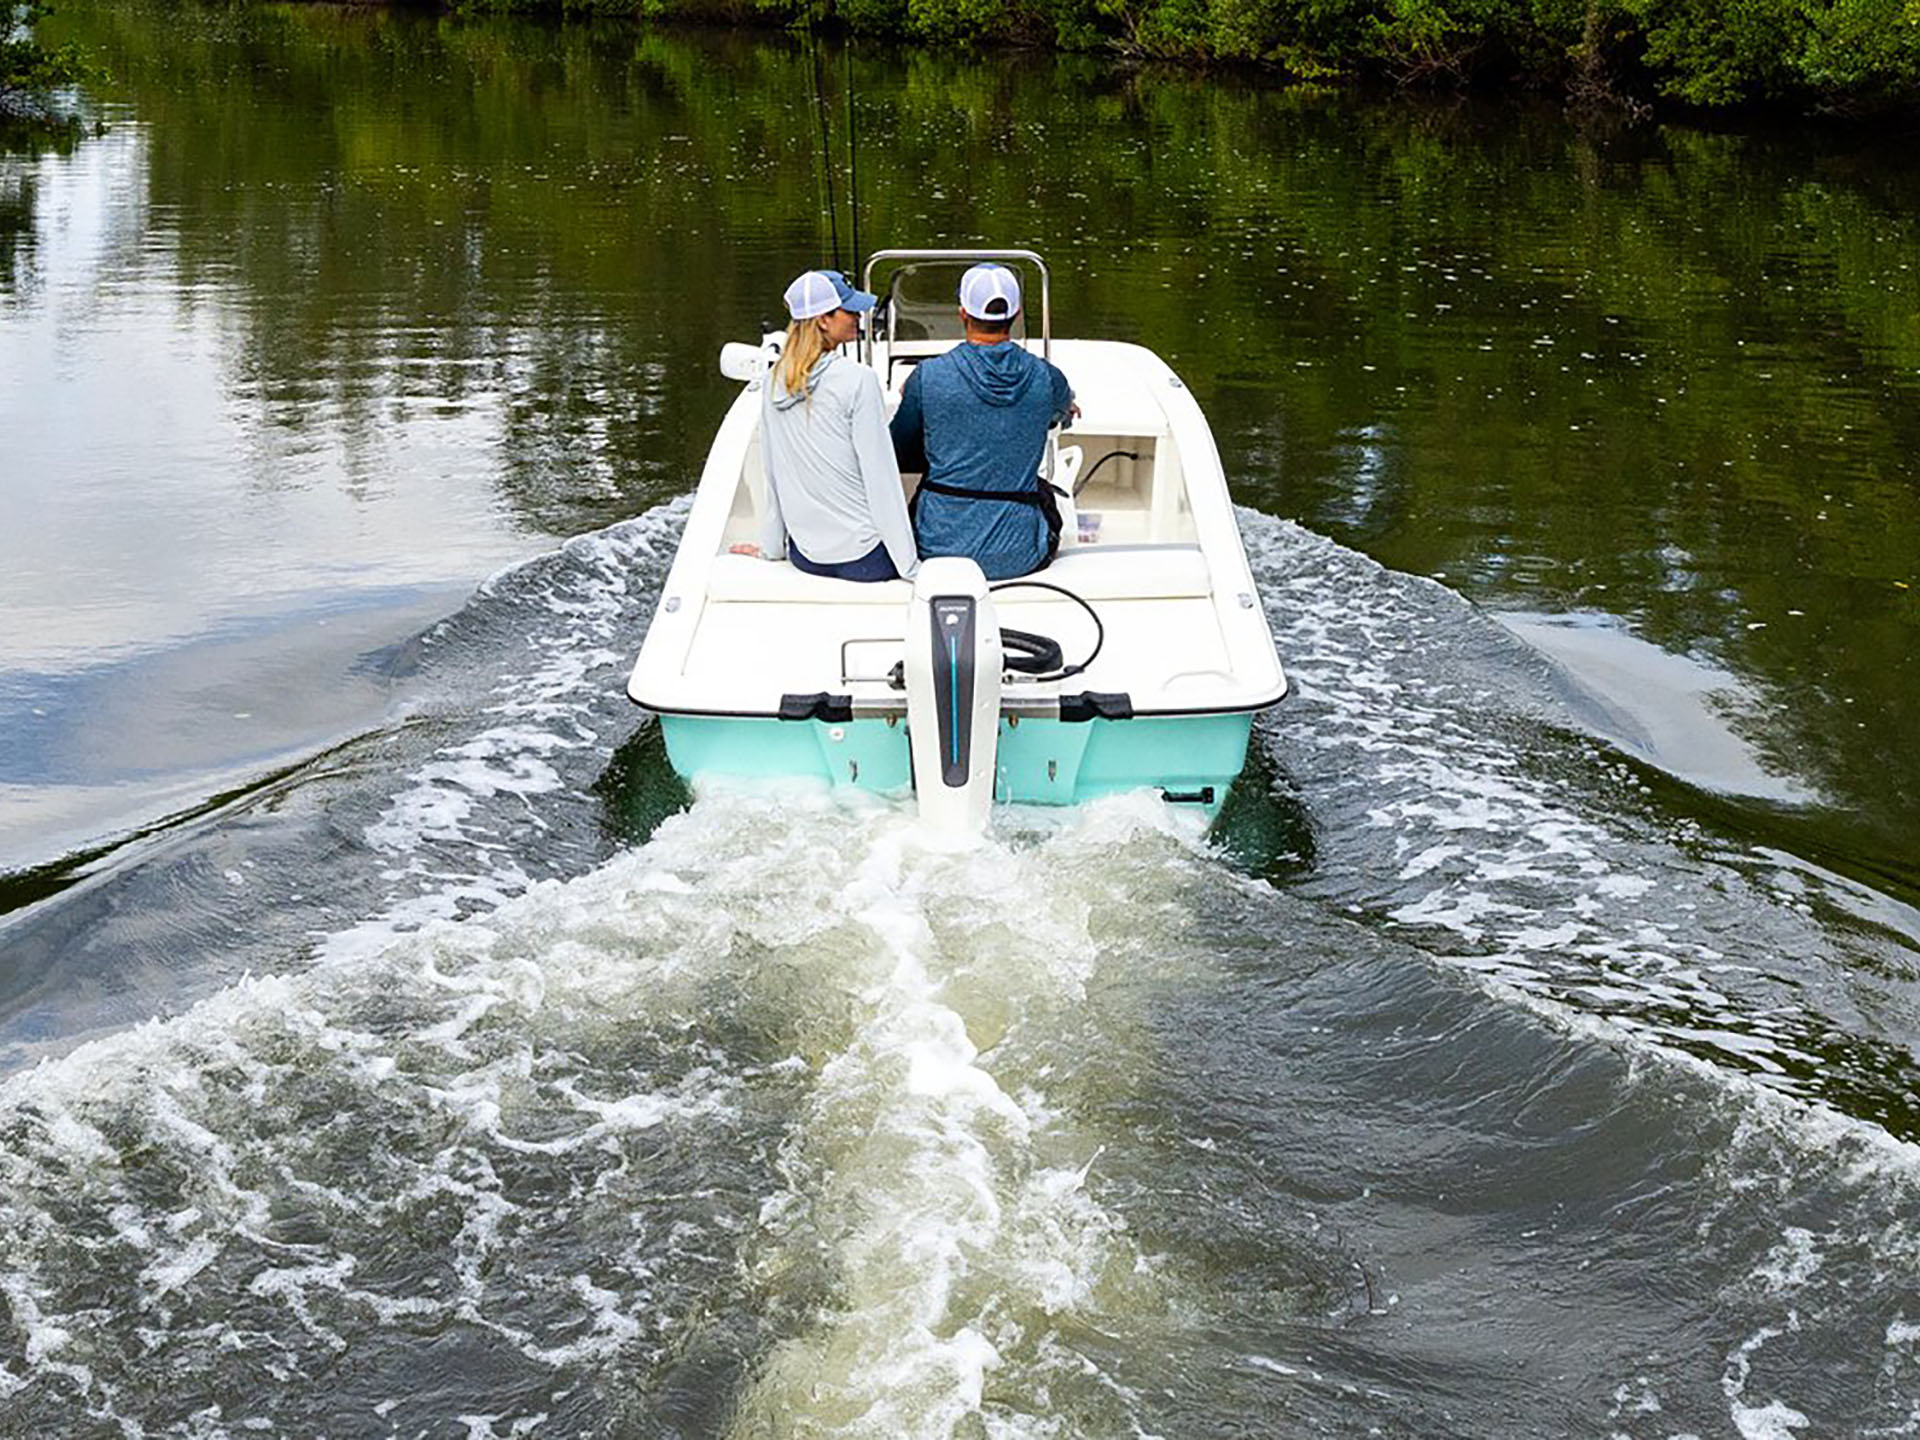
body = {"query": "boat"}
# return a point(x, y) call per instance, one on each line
point(1137, 658)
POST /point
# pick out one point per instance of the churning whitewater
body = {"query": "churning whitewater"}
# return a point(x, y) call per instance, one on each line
point(1453, 1086)
point(739, 1070)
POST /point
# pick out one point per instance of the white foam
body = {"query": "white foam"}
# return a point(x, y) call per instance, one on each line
point(293, 1288)
point(949, 1184)
point(1261, 1362)
point(1791, 1263)
point(170, 1274)
point(1540, 900)
point(1774, 1420)
point(533, 717)
point(610, 1328)
point(936, 1176)
point(481, 1427)
point(954, 1241)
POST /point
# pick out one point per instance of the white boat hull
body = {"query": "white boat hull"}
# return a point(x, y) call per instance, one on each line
point(1186, 657)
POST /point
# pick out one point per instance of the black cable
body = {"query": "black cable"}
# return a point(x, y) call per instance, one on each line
point(1094, 469)
point(1099, 630)
point(1026, 653)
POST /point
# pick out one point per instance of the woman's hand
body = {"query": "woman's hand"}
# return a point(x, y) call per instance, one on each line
point(743, 550)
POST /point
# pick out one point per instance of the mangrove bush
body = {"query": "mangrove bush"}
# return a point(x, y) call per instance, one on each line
point(1820, 54)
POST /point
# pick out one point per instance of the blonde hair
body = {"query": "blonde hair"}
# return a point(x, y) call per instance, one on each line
point(806, 343)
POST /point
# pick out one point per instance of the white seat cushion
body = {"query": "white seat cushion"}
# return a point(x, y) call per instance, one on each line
point(1093, 572)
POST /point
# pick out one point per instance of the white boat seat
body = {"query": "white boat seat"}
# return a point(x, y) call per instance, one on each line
point(1145, 572)
point(747, 579)
point(1130, 572)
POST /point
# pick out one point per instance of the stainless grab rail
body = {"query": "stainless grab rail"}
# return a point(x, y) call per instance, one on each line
point(972, 256)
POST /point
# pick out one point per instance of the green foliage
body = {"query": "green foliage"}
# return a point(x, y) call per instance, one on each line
point(874, 17)
point(1816, 54)
point(1831, 52)
point(1823, 54)
point(1419, 37)
point(957, 19)
point(1716, 52)
point(1866, 50)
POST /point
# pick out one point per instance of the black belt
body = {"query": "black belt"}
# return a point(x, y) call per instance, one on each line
point(1017, 497)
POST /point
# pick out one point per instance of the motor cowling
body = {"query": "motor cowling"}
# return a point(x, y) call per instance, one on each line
point(953, 665)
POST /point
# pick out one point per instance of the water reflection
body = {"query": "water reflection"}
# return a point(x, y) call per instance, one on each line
point(1671, 711)
point(16, 223)
point(406, 294)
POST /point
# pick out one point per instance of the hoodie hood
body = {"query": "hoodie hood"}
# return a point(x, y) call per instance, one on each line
point(999, 374)
point(784, 401)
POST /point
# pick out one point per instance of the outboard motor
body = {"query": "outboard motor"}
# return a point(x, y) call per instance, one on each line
point(953, 666)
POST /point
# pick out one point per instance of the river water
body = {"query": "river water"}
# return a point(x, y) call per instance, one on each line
point(389, 1046)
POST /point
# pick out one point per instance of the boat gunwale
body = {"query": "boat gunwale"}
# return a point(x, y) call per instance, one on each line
point(1250, 708)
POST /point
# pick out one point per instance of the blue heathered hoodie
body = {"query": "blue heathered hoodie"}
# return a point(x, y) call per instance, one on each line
point(977, 418)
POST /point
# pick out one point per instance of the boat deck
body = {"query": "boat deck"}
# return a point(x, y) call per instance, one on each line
point(1152, 545)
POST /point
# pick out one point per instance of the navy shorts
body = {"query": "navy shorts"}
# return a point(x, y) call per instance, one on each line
point(876, 564)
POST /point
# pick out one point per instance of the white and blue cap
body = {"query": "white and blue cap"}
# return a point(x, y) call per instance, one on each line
point(990, 292)
point(819, 291)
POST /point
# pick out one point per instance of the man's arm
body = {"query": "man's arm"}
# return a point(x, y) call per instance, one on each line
point(886, 500)
point(909, 427)
point(1063, 406)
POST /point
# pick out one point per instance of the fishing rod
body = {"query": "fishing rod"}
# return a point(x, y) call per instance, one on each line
point(830, 201)
point(853, 161)
point(826, 145)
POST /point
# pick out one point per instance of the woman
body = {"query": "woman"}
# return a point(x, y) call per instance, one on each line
point(835, 505)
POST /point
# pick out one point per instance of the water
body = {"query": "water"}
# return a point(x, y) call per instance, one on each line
point(390, 1046)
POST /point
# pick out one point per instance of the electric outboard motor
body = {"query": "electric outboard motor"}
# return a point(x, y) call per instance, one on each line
point(953, 695)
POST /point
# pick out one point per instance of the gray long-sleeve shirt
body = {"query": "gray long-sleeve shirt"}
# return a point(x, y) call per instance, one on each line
point(832, 482)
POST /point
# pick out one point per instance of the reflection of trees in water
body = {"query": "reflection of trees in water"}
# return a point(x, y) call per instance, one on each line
point(16, 222)
point(20, 149)
point(1672, 378)
point(21, 146)
point(1667, 373)
point(417, 217)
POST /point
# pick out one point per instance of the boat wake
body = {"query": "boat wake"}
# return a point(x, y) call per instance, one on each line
point(759, 1119)
point(492, 775)
point(716, 1116)
point(1455, 800)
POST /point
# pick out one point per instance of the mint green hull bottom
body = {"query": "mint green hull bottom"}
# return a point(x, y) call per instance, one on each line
point(1192, 758)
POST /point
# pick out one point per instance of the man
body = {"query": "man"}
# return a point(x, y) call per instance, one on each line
point(975, 420)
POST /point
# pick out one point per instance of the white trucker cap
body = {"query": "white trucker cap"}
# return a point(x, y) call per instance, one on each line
point(990, 292)
point(818, 291)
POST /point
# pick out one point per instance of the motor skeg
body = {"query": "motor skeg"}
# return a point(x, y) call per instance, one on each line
point(953, 665)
